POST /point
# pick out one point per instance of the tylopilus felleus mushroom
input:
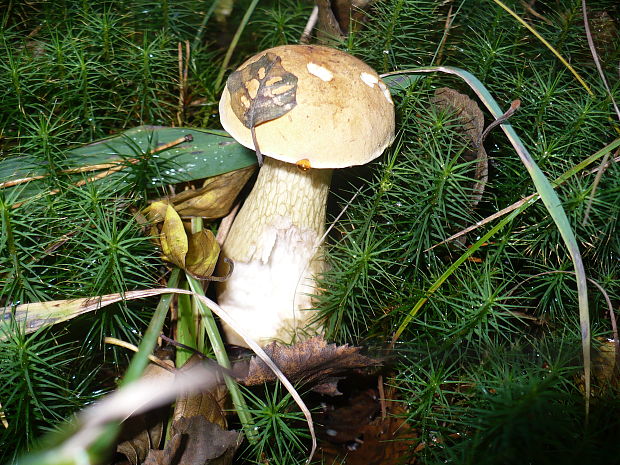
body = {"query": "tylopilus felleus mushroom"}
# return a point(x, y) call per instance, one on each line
point(309, 109)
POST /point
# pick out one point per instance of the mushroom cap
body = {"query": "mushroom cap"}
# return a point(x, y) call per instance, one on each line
point(344, 114)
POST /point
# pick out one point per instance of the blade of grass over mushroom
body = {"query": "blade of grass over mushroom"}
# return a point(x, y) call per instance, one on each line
point(208, 153)
point(546, 44)
point(233, 43)
point(549, 198)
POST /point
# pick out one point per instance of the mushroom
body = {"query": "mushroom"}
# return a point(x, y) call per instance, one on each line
point(342, 115)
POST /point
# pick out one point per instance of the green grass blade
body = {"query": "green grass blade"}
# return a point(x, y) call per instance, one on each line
point(549, 198)
point(468, 253)
point(233, 44)
point(546, 44)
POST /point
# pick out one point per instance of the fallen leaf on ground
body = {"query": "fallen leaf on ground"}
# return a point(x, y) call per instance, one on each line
point(144, 432)
point(196, 441)
point(209, 404)
point(314, 363)
point(356, 434)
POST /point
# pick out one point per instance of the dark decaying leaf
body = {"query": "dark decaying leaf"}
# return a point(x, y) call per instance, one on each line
point(262, 91)
point(356, 433)
point(472, 120)
point(196, 441)
point(314, 362)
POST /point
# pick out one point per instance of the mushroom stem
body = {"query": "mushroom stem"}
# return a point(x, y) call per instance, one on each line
point(273, 243)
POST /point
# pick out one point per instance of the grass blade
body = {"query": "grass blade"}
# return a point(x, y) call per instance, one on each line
point(549, 198)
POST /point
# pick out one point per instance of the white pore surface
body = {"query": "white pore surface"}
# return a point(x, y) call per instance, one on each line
point(268, 297)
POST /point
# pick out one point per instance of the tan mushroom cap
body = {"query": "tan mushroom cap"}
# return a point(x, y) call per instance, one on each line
point(344, 114)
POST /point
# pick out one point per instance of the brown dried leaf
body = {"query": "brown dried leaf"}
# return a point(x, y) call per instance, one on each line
point(262, 91)
point(144, 432)
point(204, 403)
point(352, 439)
point(215, 198)
point(472, 119)
point(196, 441)
point(312, 362)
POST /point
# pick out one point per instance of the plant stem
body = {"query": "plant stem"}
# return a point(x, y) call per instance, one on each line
point(222, 358)
point(210, 325)
point(233, 44)
point(141, 360)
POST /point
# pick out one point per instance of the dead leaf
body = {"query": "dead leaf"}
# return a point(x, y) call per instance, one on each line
point(605, 371)
point(356, 434)
point(312, 362)
point(197, 254)
point(173, 239)
point(209, 404)
point(472, 120)
point(262, 91)
point(215, 198)
point(202, 254)
point(196, 441)
point(144, 432)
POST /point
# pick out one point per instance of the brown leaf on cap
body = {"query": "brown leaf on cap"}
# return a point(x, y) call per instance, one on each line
point(196, 441)
point(313, 362)
point(262, 91)
point(472, 121)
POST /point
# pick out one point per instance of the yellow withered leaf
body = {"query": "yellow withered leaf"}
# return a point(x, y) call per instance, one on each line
point(174, 243)
point(215, 198)
point(202, 254)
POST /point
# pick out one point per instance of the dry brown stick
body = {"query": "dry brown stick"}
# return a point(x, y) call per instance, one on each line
point(488, 219)
point(599, 174)
point(314, 16)
point(446, 32)
point(528, 7)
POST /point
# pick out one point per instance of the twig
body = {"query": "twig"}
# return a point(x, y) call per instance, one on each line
point(599, 68)
point(599, 174)
point(157, 361)
point(444, 38)
point(535, 13)
point(314, 16)
point(183, 71)
point(488, 219)
point(514, 106)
